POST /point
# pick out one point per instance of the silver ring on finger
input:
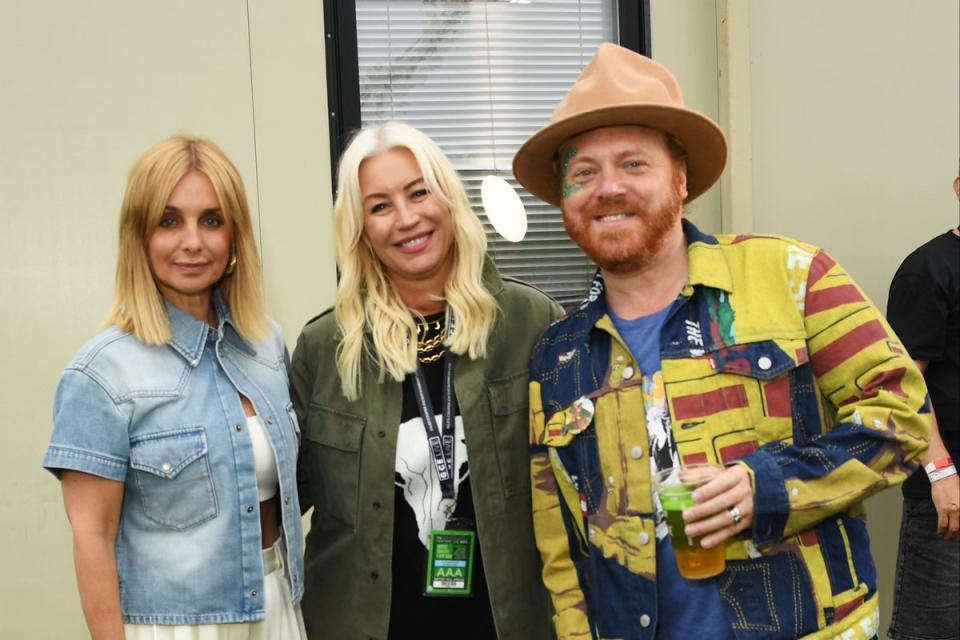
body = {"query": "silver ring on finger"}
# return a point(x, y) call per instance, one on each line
point(736, 515)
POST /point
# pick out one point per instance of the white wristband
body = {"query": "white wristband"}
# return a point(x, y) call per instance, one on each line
point(942, 473)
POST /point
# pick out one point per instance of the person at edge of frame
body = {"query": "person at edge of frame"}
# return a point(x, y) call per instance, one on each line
point(756, 352)
point(173, 434)
point(426, 343)
point(924, 309)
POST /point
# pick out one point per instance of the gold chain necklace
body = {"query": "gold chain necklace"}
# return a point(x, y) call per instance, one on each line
point(433, 358)
point(427, 345)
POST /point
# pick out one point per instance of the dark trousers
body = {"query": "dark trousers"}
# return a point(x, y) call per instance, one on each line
point(926, 597)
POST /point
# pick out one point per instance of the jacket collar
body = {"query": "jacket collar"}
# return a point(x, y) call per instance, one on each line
point(189, 335)
point(706, 266)
point(706, 263)
point(492, 281)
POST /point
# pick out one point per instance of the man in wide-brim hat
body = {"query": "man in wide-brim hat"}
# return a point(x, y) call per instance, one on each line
point(758, 354)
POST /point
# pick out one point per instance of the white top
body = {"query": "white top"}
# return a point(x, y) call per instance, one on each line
point(264, 460)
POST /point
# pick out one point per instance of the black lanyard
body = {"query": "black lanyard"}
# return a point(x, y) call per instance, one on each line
point(440, 438)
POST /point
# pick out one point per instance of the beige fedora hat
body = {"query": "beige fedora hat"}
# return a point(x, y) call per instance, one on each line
point(622, 87)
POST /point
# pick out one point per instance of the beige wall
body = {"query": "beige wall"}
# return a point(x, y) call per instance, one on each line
point(86, 88)
point(856, 126)
point(843, 117)
point(683, 37)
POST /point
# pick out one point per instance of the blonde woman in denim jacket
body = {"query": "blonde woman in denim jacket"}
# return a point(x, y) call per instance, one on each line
point(174, 437)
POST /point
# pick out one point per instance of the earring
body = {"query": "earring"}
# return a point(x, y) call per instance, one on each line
point(231, 266)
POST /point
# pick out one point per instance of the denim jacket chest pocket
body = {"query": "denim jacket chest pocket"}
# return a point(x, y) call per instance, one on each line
point(575, 456)
point(332, 448)
point(726, 403)
point(171, 472)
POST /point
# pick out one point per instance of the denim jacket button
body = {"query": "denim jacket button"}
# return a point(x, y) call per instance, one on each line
point(269, 419)
point(253, 593)
point(166, 466)
point(644, 620)
point(764, 362)
point(249, 509)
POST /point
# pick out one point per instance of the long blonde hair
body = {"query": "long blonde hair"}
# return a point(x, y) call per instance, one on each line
point(138, 306)
point(366, 298)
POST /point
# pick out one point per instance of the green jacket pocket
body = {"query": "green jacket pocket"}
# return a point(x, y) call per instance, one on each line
point(332, 441)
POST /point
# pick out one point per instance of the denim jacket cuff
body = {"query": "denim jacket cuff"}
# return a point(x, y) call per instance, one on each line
point(770, 503)
point(60, 457)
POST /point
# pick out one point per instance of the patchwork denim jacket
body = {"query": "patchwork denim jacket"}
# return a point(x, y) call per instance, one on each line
point(166, 420)
point(773, 357)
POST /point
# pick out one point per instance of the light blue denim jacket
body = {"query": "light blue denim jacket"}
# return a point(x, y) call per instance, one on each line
point(167, 421)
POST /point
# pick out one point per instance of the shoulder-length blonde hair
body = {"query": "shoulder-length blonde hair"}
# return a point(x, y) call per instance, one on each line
point(366, 299)
point(138, 306)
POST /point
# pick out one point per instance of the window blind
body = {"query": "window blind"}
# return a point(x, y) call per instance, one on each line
point(480, 78)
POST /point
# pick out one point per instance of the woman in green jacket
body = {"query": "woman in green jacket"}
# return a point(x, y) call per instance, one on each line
point(414, 457)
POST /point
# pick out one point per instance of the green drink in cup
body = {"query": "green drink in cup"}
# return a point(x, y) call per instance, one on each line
point(675, 486)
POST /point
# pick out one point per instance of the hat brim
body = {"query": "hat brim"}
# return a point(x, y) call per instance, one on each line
point(704, 141)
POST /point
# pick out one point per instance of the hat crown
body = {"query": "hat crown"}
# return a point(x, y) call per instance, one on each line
point(618, 76)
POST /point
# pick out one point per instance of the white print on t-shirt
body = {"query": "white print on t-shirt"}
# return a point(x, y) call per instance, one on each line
point(420, 481)
point(663, 450)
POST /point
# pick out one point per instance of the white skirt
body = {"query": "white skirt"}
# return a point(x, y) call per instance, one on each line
point(283, 620)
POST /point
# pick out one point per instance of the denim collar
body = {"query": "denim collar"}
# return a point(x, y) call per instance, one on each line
point(189, 335)
point(706, 263)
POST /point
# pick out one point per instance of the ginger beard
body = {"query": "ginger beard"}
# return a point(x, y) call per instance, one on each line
point(625, 251)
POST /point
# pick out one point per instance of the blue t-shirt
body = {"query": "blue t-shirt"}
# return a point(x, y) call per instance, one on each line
point(685, 608)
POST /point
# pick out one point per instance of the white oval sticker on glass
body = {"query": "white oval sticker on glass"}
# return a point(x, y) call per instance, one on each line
point(503, 208)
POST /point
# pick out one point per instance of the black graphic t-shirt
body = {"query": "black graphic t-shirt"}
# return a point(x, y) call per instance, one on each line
point(418, 509)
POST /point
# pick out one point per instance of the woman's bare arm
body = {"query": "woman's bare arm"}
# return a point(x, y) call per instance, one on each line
point(93, 508)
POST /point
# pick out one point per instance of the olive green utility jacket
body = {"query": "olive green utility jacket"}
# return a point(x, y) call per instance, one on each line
point(347, 474)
